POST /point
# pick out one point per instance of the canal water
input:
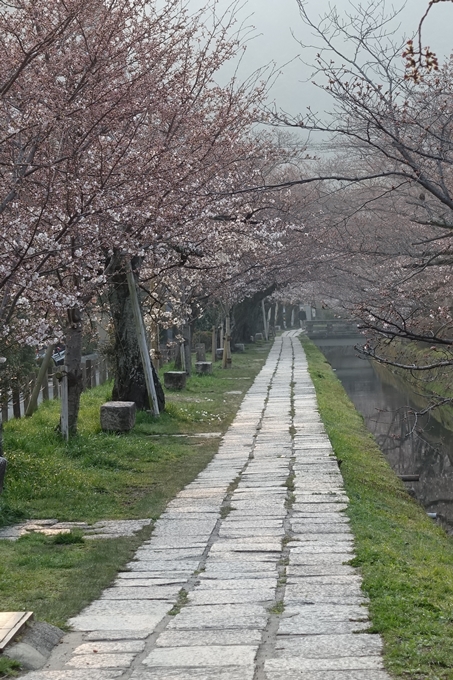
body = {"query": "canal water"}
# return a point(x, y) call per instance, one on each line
point(384, 402)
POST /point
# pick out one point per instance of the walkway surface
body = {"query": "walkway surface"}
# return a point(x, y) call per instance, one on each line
point(246, 575)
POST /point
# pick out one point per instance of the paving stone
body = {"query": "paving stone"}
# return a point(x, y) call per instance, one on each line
point(320, 547)
point(326, 675)
point(304, 509)
point(112, 635)
point(196, 657)
point(124, 621)
point(298, 663)
point(141, 593)
point(333, 578)
point(300, 558)
point(101, 661)
point(151, 577)
point(250, 544)
point(184, 638)
point(207, 583)
point(298, 624)
point(325, 646)
point(164, 566)
point(105, 647)
point(74, 675)
point(321, 593)
point(228, 673)
point(228, 616)
point(331, 528)
point(218, 596)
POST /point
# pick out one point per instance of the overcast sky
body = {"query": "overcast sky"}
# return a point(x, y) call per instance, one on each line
point(276, 20)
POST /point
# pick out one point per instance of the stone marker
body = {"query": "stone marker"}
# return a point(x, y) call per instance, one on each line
point(118, 416)
point(239, 347)
point(203, 367)
point(201, 351)
point(219, 352)
point(175, 380)
point(259, 337)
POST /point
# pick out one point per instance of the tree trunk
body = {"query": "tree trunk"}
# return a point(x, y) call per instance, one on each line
point(248, 316)
point(73, 363)
point(129, 383)
point(187, 335)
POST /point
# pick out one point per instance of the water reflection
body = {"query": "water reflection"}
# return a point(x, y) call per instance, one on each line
point(427, 452)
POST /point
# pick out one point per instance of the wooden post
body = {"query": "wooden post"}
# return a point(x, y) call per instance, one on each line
point(83, 367)
point(226, 361)
point(95, 372)
point(41, 378)
point(55, 384)
point(5, 410)
point(141, 337)
point(214, 344)
point(64, 418)
point(16, 402)
point(45, 385)
point(27, 391)
point(266, 330)
point(182, 355)
point(89, 373)
point(102, 372)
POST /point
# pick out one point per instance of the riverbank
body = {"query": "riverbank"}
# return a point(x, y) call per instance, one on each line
point(426, 387)
point(404, 558)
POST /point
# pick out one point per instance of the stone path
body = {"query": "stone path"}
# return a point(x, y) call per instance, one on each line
point(246, 575)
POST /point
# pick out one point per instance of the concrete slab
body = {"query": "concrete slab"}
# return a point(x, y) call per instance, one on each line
point(114, 661)
point(326, 675)
point(185, 638)
point(202, 656)
point(297, 663)
point(228, 616)
point(105, 647)
point(329, 646)
point(159, 673)
point(75, 674)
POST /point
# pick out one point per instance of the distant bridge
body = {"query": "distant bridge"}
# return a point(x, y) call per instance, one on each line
point(331, 328)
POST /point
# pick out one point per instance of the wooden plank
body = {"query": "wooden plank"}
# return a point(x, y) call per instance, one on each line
point(11, 623)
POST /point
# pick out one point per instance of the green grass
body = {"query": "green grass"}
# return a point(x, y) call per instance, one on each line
point(102, 476)
point(8, 667)
point(405, 559)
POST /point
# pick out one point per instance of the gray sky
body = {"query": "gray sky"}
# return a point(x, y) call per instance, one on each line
point(275, 19)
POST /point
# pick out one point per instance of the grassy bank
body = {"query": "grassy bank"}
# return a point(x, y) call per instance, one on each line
point(103, 476)
point(406, 560)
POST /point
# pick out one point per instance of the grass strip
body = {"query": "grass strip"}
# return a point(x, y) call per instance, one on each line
point(405, 559)
point(97, 476)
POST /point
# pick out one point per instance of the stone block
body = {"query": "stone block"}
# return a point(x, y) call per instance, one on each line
point(175, 380)
point(259, 337)
point(219, 353)
point(35, 645)
point(118, 416)
point(239, 347)
point(203, 367)
point(201, 351)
